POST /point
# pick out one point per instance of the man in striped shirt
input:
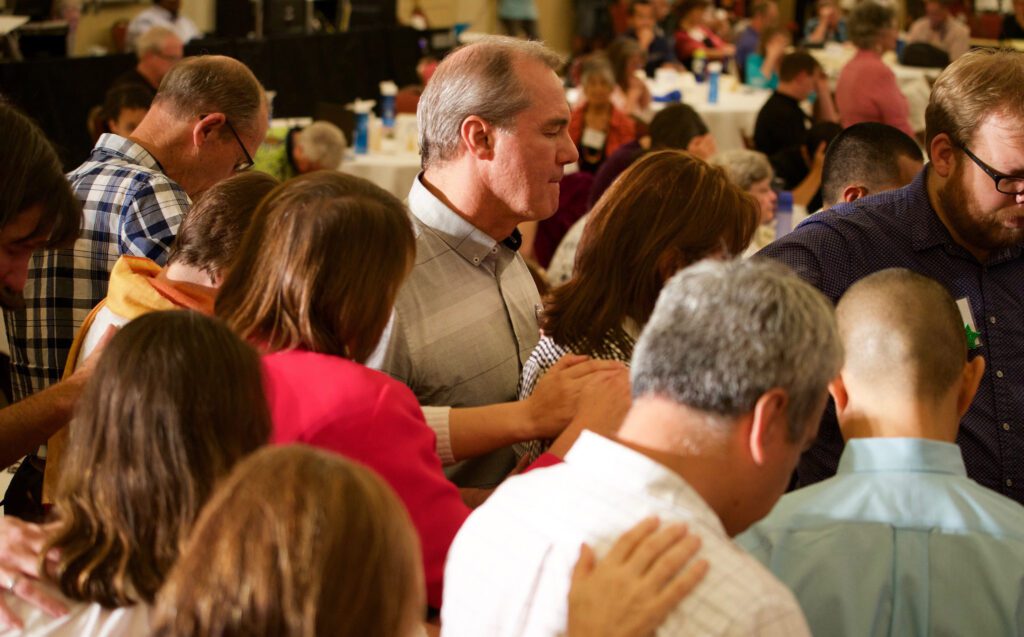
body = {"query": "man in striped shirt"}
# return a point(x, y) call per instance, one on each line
point(208, 117)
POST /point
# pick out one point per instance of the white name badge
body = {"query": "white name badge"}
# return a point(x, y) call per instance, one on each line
point(970, 327)
point(593, 138)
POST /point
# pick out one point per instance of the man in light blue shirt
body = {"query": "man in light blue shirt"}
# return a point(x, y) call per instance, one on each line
point(900, 541)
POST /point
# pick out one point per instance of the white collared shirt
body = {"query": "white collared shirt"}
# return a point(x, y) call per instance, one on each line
point(509, 568)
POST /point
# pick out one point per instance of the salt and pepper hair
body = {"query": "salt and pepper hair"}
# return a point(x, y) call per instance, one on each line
point(725, 332)
point(205, 84)
point(152, 41)
point(477, 79)
point(596, 67)
point(744, 167)
point(866, 22)
point(323, 144)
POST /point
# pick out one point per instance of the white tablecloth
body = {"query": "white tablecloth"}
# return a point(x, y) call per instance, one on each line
point(392, 172)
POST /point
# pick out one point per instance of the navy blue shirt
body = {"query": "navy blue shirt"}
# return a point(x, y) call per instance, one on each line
point(900, 229)
point(659, 52)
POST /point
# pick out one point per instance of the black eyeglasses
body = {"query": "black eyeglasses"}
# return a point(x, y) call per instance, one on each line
point(243, 164)
point(1006, 184)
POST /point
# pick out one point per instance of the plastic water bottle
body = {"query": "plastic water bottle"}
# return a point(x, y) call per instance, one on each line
point(784, 214)
point(714, 74)
point(388, 91)
point(700, 57)
point(362, 109)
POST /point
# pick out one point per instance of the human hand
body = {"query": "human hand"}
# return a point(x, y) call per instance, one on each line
point(631, 591)
point(703, 146)
point(604, 401)
point(21, 544)
point(85, 369)
point(818, 163)
point(554, 401)
point(645, 36)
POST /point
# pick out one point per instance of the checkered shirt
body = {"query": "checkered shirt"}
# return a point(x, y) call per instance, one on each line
point(130, 207)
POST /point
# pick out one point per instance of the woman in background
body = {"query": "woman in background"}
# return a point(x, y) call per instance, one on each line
point(597, 127)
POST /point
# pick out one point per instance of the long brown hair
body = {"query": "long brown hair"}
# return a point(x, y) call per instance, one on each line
point(175, 401)
point(668, 210)
point(332, 552)
point(319, 267)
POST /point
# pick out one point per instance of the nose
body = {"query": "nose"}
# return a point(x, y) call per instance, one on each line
point(16, 273)
point(567, 152)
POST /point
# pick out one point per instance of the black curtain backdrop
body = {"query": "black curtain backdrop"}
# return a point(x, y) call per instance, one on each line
point(302, 69)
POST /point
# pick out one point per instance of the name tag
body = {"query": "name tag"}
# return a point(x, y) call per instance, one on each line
point(593, 138)
point(970, 327)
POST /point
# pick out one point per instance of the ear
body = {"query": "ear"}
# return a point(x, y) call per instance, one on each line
point(969, 381)
point(769, 424)
point(207, 126)
point(478, 136)
point(853, 193)
point(943, 155)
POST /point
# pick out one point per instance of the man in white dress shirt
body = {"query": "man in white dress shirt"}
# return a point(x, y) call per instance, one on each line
point(729, 380)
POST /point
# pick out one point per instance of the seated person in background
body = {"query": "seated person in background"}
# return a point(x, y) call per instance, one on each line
point(409, 96)
point(630, 95)
point(175, 402)
point(764, 14)
point(163, 13)
point(782, 123)
point(363, 578)
point(668, 210)
point(692, 34)
point(800, 167)
point(751, 172)
point(124, 107)
point(1013, 23)
point(762, 70)
point(867, 90)
point(157, 50)
point(598, 128)
point(941, 30)
point(286, 152)
point(900, 541)
point(199, 260)
point(828, 26)
point(675, 127)
point(645, 30)
point(730, 378)
point(865, 159)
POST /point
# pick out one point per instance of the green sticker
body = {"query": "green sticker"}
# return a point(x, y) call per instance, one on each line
point(972, 337)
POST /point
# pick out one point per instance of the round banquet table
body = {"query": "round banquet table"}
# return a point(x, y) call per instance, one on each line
point(392, 172)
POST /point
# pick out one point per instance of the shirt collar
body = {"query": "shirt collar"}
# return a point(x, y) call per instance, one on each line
point(916, 455)
point(113, 145)
point(470, 242)
point(929, 231)
point(623, 469)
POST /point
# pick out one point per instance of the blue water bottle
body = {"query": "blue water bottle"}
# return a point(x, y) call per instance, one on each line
point(388, 91)
point(362, 133)
point(714, 74)
point(784, 214)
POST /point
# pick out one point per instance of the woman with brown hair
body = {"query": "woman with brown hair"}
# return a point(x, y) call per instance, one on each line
point(332, 553)
point(175, 401)
point(313, 287)
point(668, 210)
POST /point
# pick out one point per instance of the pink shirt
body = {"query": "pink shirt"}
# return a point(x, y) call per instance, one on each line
point(867, 92)
point(335, 404)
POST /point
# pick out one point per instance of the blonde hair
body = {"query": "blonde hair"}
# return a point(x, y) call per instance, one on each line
point(297, 542)
point(978, 84)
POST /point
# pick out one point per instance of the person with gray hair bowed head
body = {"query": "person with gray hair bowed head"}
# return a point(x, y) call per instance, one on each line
point(729, 380)
point(289, 152)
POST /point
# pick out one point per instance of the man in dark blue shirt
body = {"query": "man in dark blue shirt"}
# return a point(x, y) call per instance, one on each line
point(643, 27)
point(960, 222)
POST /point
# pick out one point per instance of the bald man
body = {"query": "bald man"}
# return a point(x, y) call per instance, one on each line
point(900, 541)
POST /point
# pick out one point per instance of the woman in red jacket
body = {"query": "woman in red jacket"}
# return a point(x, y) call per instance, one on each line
point(313, 286)
point(598, 128)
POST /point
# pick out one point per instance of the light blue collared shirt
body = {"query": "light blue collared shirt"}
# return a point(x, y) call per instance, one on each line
point(899, 542)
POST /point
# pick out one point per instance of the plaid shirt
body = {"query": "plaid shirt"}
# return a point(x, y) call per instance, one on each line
point(130, 207)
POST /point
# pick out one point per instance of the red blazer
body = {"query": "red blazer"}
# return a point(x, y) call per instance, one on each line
point(335, 404)
point(621, 129)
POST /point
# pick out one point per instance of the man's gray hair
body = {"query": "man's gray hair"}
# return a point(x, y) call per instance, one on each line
point(866, 22)
point(213, 84)
point(152, 41)
point(477, 79)
point(725, 332)
point(323, 144)
point(744, 167)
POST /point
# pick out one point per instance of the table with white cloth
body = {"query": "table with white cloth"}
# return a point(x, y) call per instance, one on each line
point(730, 119)
point(393, 172)
point(914, 82)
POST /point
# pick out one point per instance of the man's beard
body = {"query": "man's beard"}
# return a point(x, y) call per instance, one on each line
point(978, 230)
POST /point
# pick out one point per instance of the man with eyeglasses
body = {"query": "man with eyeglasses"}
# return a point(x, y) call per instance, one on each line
point(203, 126)
point(961, 223)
